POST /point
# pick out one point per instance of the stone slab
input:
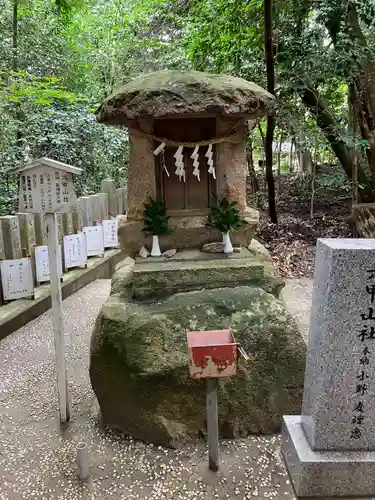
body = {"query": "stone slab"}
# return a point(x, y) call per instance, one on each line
point(12, 236)
point(325, 473)
point(19, 312)
point(338, 411)
point(164, 278)
point(196, 255)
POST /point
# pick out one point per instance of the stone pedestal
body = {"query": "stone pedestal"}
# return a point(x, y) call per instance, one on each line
point(330, 449)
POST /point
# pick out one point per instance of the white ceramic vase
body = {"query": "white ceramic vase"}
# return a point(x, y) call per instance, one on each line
point(228, 248)
point(155, 250)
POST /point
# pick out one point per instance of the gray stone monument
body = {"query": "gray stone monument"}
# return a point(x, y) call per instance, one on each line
point(330, 449)
point(12, 237)
point(27, 231)
point(108, 186)
point(41, 235)
point(2, 249)
point(87, 210)
point(103, 197)
point(68, 224)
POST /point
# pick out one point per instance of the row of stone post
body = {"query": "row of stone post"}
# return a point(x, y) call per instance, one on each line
point(21, 232)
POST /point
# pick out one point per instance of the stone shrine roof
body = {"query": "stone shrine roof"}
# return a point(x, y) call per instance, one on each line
point(168, 94)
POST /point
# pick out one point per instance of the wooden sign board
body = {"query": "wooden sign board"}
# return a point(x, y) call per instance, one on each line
point(94, 240)
point(75, 253)
point(110, 228)
point(42, 264)
point(46, 186)
point(17, 279)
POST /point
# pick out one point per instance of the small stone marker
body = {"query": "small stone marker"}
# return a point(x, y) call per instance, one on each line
point(87, 210)
point(68, 224)
point(96, 208)
point(103, 201)
point(108, 186)
point(121, 201)
point(330, 450)
point(41, 234)
point(2, 249)
point(60, 227)
point(12, 236)
point(78, 222)
point(27, 231)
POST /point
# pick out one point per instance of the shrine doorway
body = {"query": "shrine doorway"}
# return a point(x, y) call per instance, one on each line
point(192, 197)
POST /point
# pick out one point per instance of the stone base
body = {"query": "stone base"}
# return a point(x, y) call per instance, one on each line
point(325, 474)
point(188, 232)
point(190, 270)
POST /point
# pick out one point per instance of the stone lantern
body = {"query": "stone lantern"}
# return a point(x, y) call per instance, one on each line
point(187, 133)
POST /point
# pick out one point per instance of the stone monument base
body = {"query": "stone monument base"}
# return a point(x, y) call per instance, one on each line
point(325, 473)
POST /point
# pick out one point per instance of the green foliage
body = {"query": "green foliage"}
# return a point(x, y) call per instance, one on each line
point(154, 219)
point(224, 216)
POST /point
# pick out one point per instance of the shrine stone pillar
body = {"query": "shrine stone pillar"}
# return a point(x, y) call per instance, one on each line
point(231, 161)
point(141, 172)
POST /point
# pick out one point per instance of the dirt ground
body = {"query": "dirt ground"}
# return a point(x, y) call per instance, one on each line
point(292, 240)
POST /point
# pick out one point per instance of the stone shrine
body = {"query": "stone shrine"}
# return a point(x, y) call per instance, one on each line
point(187, 112)
point(330, 449)
point(187, 134)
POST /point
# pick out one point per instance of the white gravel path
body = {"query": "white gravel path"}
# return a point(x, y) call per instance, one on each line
point(37, 455)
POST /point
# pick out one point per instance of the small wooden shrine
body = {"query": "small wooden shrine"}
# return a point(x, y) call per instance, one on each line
point(187, 133)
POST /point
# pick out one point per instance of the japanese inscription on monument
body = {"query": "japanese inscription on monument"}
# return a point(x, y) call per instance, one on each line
point(47, 186)
point(364, 335)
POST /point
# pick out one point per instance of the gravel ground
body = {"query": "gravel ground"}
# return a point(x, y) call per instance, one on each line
point(297, 295)
point(37, 456)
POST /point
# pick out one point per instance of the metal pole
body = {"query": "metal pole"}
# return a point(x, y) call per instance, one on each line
point(57, 315)
point(212, 424)
point(83, 461)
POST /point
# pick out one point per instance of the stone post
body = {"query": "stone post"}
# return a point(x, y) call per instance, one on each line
point(68, 224)
point(60, 227)
point(27, 231)
point(108, 186)
point(78, 216)
point(120, 201)
point(96, 200)
point(141, 174)
point(231, 168)
point(41, 235)
point(2, 249)
point(12, 236)
point(86, 205)
point(104, 205)
point(330, 449)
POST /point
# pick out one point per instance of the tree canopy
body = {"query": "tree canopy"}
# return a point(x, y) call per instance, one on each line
point(59, 59)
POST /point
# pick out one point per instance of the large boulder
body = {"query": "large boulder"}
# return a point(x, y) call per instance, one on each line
point(139, 365)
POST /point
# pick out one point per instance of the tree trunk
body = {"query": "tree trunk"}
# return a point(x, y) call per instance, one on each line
point(15, 36)
point(291, 155)
point(268, 46)
point(279, 155)
point(344, 18)
point(330, 128)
